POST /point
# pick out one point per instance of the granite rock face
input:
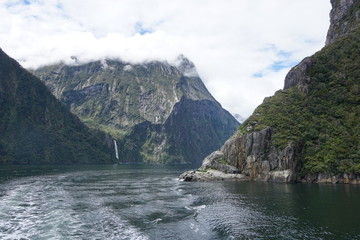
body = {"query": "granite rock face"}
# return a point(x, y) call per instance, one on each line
point(344, 17)
point(253, 156)
point(298, 76)
point(211, 175)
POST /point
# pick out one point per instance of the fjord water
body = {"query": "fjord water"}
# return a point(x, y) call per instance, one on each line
point(149, 202)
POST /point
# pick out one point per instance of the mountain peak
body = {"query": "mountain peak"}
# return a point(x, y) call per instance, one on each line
point(344, 17)
point(185, 66)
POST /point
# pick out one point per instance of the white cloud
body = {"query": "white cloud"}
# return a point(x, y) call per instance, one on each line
point(242, 48)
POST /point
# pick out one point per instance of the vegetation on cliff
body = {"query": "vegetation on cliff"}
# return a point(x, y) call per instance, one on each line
point(36, 128)
point(324, 119)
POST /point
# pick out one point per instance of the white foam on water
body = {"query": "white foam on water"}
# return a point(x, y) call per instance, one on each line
point(32, 209)
point(199, 207)
point(157, 220)
point(42, 209)
point(112, 226)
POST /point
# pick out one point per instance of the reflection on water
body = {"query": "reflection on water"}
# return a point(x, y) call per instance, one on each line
point(149, 202)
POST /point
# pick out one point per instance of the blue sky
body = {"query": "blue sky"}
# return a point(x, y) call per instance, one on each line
point(242, 48)
point(279, 65)
point(140, 29)
point(10, 4)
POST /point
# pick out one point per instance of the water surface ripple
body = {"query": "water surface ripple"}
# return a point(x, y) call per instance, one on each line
point(149, 202)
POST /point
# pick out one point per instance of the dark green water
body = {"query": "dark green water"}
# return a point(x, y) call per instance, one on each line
point(149, 202)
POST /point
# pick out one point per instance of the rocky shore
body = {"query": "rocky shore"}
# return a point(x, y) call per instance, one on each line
point(216, 175)
point(211, 175)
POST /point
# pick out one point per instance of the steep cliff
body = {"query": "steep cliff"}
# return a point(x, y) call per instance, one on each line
point(119, 94)
point(344, 17)
point(187, 136)
point(154, 109)
point(310, 131)
point(37, 129)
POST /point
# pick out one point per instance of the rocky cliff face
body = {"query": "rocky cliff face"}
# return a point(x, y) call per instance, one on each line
point(194, 128)
point(187, 136)
point(122, 95)
point(344, 17)
point(150, 107)
point(253, 156)
point(310, 131)
point(298, 76)
point(37, 129)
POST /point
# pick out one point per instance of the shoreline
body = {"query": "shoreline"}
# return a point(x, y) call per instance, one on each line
point(212, 175)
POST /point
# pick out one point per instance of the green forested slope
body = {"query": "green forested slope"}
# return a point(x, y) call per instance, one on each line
point(324, 119)
point(35, 128)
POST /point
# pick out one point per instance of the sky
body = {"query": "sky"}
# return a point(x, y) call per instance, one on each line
point(242, 48)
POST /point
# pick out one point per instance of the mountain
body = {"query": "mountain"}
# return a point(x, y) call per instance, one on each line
point(239, 118)
point(37, 129)
point(159, 113)
point(310, 130)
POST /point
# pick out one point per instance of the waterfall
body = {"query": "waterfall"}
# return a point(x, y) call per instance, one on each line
point(116, 150)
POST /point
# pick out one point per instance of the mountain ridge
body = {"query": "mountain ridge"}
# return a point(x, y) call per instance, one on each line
point(81, 77)
point(124, 98)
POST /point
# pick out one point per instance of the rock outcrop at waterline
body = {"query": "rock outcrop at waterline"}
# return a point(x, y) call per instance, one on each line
point(249, 156)
point(310, 131)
